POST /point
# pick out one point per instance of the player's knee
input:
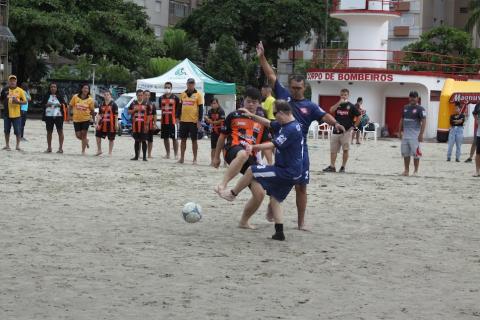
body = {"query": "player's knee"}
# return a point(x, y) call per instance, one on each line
point(301, 189)
point(242, 155)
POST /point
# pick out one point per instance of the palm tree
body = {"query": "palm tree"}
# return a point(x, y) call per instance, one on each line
point(473, 22)
point(178, 46)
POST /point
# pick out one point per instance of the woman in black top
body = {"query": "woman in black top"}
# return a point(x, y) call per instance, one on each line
point(54, 110)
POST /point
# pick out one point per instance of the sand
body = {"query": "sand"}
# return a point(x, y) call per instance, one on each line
point(103, 238)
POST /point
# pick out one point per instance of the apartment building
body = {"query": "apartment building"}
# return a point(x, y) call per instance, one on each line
point(166, 13)
point(420, 16)
point(6, 36)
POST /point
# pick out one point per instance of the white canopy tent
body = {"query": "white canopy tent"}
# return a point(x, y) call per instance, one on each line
point(225, 92)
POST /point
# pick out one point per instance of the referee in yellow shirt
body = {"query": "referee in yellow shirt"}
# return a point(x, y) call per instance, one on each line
point(191, 114)
point(12, 98)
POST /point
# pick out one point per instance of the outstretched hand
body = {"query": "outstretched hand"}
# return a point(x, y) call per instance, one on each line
point(260, 49)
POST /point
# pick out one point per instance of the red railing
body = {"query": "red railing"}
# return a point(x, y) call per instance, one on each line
point(364, 5)
point(393, 60)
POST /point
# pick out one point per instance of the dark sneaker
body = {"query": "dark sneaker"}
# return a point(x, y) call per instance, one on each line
point(279, 236)
point(468, 160)
point(342, 170)
point(457, 160)
point(448, 159)
point(329, 169)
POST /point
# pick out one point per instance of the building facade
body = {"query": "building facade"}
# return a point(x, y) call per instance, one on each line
point(6, 37)
point(165, 13)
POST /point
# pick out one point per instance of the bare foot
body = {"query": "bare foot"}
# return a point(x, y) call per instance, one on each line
point(98, 153)
point(7, 148)
point(18, 149)
point(405, 174)
point(415, 174)
point(59, 151)
point(246, 225)
point(303, 228)
point(269, 215)
point(166, 157)
point(227, 195)
point(176, 157)
point(88, 145)
point(218, 189)
point(194, 162)
point(109, 154)
point(48, 151)
point(150, 157)
point(181, 161)
point(84, 153)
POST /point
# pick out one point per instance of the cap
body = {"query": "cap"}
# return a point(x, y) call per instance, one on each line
point(413, 94)
point(12, 77)
point(191, 80)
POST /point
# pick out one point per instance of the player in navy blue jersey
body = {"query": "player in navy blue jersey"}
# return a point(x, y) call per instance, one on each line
point(278, 179)
point(305, 112)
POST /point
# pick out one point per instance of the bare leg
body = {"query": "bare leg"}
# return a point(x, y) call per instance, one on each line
point(49, 141)
point(150, 147)
point(212, 155)
point(477, 164)
point(301, 199)
point(406, 164)
point(183, 147)
point(344, 158)
point(83, 135)
point(7, 140)
point(269, 156)
point(416, 164)
point(166, 143)
point(110, 147)
point(244, 182)
point(333, 159)
point(18, 138)
point(234, 169)
point(61, 138)
point(252, 205)
point(195, 150)
point(175, 148)
point(473, 148)
point(99, 146)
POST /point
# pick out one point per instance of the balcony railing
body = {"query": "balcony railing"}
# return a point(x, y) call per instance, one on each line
point(393, 60)
point(364, 5)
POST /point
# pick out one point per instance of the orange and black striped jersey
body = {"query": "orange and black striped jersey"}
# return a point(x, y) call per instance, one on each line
point(169, 107)
point(108, 114)
point(241, 130)
point(139, 112)
point(216, 115)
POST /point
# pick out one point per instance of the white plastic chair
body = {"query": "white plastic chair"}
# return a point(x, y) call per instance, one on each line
point(366, 133)
point(323, 129)
point(313, 130)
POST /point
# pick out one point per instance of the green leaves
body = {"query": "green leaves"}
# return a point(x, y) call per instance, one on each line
point(158, 66)
point(177, 45)
point(224, 61)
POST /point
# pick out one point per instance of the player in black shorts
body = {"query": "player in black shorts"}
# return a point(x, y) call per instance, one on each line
point(107, 123)
point(152, 120)
point(139, 125)
point(237, 132)
point(169, 105)
point(215, 118)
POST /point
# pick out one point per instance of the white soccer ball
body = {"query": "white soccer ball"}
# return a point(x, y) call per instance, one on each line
point(192, 212)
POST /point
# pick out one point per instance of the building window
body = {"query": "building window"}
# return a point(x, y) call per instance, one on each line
point(158, 6)
point(463, 10)
point(158, 31)
point(180, 10)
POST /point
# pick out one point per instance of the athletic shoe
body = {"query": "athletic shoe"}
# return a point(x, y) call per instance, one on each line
point(457, 160)
point(342, 170)
point(329, 169)
point(448, 159)
point(468, 160)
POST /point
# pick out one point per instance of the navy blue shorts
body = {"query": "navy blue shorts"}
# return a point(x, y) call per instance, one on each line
point(305, 179)
point(275, 186)
point(8, 123)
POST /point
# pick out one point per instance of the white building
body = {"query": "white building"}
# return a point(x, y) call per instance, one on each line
point(369, 70)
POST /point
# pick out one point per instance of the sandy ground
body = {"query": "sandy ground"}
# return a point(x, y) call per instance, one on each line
point(103, 238)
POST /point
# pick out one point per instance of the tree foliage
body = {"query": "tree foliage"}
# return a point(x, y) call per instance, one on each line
point(158, 66)
point(177, 45)
point(453, 49)
point(224, 61)
point(473, 21)
point(114, 29)
point(280, 24)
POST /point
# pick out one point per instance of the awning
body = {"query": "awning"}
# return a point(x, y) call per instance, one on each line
point(6, 34)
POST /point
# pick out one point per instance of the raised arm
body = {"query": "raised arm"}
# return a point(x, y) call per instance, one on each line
point(267, 68)
point(263, 121)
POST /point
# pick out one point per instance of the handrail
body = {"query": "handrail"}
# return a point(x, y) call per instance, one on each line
point(399, 60)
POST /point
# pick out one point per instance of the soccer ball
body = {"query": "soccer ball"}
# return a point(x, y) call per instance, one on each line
point(192, 212)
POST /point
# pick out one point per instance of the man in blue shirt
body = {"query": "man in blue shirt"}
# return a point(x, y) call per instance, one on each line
point(279, 179)
point(305, 112)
